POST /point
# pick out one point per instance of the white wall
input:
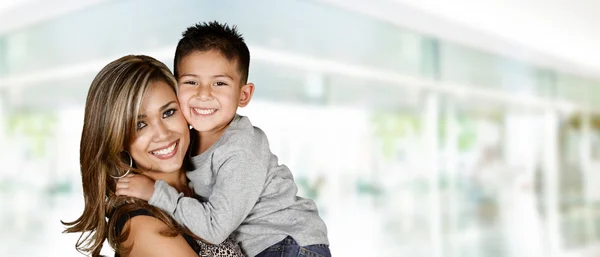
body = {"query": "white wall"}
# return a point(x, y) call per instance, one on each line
point(559, 34)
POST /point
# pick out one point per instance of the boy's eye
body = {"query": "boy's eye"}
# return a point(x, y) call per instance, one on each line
point(140, 125)
point(169, 113)
point(219, 83)
point(193, 83)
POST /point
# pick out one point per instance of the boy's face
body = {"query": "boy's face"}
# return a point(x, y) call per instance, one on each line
point(210, 90)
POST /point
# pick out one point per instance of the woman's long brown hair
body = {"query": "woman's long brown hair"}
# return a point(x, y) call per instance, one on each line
point(111, 110)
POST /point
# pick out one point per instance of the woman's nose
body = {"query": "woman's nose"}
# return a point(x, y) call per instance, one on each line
point(161, 131)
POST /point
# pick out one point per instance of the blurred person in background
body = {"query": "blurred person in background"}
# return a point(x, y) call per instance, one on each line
point(510, 202)
point(133, 125)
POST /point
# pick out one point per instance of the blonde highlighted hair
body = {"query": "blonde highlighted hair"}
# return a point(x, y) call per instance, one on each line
point(111, 111)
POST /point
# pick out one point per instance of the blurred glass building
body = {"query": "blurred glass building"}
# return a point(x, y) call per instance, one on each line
point(411, 144)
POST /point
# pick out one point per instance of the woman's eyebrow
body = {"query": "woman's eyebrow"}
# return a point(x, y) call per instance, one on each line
point(162, 108)
point(166, 105)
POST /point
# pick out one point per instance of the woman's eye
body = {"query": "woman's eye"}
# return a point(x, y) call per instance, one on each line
point(140, 125)
point(169, 113)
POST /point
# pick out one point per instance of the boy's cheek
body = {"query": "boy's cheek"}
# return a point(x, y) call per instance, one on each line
point(182, 99)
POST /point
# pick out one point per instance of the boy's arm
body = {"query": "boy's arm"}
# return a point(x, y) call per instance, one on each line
point(239, 183)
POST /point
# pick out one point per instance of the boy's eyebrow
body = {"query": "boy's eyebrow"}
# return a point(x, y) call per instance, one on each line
point(187, 74)
point(223, 76)
point(215, 76)
point(162, 108)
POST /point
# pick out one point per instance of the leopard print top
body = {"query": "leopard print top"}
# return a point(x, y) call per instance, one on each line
point(229, 248)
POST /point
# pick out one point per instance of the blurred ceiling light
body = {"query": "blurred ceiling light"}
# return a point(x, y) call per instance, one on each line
point(314, 64)
point(6, 5)
point(15, 14)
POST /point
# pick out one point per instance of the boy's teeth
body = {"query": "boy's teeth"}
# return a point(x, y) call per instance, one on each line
point(204, 111)
point(165, 151)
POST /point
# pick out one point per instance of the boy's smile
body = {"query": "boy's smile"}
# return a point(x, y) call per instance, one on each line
point(210, 90)
point(203, 111)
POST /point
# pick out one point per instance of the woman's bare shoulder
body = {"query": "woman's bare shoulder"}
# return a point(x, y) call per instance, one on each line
point(145, 239)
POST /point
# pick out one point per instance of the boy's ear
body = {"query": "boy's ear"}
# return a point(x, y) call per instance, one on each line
point(246, 93)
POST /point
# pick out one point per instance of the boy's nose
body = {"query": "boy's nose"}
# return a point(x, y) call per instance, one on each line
point(204, 93)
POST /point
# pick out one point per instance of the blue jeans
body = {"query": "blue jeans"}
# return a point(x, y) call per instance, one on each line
point(289, 248)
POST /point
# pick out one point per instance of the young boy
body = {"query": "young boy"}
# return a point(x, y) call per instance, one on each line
point(247, 193)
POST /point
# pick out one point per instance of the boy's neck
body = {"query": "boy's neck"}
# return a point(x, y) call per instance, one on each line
point(208, 138)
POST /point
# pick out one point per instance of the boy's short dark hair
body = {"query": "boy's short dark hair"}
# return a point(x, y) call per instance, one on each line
point(213, 35)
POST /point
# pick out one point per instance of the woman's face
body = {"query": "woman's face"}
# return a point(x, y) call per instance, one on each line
point(162, 135)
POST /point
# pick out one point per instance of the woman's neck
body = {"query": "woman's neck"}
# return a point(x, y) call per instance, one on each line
point(177, 180)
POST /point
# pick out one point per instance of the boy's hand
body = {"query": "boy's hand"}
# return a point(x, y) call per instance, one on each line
point(136, 185)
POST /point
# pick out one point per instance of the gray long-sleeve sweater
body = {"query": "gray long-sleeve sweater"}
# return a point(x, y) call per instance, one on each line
point(248, 194)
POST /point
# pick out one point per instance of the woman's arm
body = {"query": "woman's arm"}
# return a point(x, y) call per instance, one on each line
point(145, 239)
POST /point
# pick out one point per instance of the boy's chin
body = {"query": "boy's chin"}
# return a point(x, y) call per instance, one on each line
point(210, 124)
point(203, 127)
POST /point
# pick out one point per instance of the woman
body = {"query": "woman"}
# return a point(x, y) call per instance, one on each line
point(132, 125)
